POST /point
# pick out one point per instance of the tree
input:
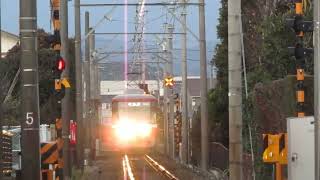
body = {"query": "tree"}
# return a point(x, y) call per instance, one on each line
point(10, 65)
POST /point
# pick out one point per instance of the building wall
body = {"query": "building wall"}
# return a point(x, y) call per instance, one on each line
point(8, 41)
point(117, 87)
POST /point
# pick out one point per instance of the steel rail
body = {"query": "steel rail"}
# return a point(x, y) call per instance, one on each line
point(127, 170)
point(138, 4)
point(159, 168)
point(134, 33)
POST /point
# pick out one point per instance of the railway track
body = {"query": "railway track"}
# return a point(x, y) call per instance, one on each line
point(144, 168)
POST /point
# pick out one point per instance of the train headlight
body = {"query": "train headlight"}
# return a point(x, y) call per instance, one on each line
point(144, 130)
point(128, 130)
point(124, 132)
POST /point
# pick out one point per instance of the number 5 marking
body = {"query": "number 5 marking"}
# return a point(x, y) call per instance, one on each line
point(29, 118)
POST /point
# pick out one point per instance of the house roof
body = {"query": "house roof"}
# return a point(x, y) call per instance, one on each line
point(9, 34)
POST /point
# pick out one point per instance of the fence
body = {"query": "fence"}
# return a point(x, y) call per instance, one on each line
point(219, 159)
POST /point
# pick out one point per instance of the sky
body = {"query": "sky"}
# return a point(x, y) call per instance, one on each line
point(155, 17)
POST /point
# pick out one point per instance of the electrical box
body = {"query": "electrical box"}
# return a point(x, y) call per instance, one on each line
point(301, 162)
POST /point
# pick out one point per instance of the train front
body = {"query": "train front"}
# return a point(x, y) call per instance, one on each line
point(134, 121)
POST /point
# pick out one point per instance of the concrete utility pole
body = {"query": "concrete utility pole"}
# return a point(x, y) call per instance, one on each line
point(78, 69)
point(184, 70)
point(316, 46)
point(235, 90)
point(66, 101)
point(92, 89)
point(171, 101)
point(87, 86)
point(204, 88)
point(30, 121)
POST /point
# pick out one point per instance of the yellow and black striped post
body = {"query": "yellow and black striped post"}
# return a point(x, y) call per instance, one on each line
point(300, 69)
point(49, 153)
point(49, 156)
point(300, 27)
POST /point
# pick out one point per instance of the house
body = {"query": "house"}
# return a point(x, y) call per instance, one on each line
point(8, 40)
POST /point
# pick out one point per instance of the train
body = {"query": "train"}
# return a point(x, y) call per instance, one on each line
point(134, 122)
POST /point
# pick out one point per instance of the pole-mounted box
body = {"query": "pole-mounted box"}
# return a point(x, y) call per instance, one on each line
point(301, 156)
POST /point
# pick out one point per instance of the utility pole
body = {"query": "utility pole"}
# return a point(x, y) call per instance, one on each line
point(30, 121)
point(184, 70)
point(1, 105)
point(158, 79)
point(66, 110)
point(165, 99)
point(235, 90)
point(316, 47)
point(92, 89)
point(87, 86)
point(204, 88)
point(171, 101)
point(78, 69)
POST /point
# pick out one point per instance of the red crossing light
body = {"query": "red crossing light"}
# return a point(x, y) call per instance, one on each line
point(60, 64)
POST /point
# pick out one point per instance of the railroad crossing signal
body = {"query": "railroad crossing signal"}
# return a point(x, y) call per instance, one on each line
point(169, 82)
point(177, 131)
point(283, 148)
point(55, 38)
point(58, 67)
point(270, 148)
point(300, 27)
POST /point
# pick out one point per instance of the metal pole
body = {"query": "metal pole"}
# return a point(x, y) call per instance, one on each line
point(158, 79)
point(30, 121)
point(78, 69)
point(1, 105)
point(235, 90)
point(66, 101)
point(184, 86)
point(165, 103)
point(204, 89)
point(278, 173)
point(316, 46)
point(87, 85)
point(171, 101)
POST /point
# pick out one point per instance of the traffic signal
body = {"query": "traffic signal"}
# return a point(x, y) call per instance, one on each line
point(283, 148)
point(270, 148)
point(169, 82)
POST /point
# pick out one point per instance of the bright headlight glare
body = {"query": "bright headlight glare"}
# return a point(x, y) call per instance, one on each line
point(127, 130)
